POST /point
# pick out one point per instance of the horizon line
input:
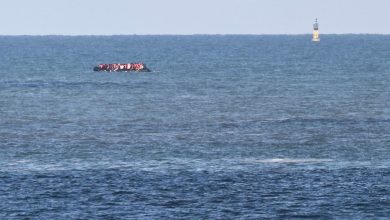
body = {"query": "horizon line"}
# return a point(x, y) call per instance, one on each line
point(112, 35)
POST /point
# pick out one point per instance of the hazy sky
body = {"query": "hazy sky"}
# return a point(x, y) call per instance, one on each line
point(110, 17)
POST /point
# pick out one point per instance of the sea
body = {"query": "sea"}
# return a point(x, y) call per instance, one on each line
point(224, 127)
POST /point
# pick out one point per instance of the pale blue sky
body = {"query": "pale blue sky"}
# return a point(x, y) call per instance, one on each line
point(111, 17)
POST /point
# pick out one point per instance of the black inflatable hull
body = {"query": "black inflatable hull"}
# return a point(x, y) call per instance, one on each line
point(97, 69)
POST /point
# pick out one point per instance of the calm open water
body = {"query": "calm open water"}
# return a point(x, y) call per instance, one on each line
point(226, 127)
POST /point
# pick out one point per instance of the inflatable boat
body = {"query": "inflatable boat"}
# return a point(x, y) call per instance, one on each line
point(117, 67)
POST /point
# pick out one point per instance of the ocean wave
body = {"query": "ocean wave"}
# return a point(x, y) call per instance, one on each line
point(289, 160)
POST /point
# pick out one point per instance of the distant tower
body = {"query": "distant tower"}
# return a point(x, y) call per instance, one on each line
point(316, 32)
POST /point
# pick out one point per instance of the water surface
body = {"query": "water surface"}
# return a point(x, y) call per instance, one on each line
point(225, 127)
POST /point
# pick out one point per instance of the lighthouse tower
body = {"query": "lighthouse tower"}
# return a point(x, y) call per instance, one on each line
point(316, 32)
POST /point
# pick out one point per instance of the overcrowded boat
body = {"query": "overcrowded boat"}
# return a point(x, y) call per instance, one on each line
point(118, 67)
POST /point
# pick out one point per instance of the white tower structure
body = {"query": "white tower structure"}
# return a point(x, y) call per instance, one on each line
point(316, 32)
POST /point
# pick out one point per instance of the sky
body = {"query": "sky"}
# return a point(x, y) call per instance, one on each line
point(115, 17)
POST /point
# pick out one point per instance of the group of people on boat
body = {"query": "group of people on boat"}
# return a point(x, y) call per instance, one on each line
point(121, 67)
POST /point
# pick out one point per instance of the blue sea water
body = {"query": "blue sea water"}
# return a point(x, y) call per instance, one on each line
point(225, 127)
